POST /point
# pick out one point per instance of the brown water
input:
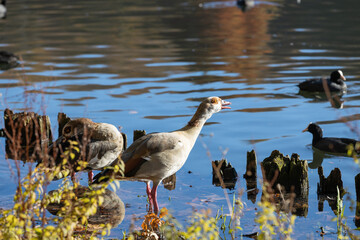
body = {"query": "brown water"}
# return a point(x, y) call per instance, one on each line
point(147, 65)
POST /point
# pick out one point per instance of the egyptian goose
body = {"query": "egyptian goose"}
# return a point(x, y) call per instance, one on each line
point(335, 83)
point(3, 9)
point(328, 144)
point(99, 143)
point(156, 156)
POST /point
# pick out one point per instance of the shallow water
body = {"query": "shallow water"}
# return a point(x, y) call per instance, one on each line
point(147, 65)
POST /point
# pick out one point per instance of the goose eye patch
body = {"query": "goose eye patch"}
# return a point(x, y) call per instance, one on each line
point(214, 100)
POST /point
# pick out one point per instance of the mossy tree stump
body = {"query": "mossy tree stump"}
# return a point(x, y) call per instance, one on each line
point(291, 173)
point(27, 134)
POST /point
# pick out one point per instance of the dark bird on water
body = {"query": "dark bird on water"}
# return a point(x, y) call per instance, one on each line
point(334, 84)
point(8, 58)
point(329, 144)
point(245, 4)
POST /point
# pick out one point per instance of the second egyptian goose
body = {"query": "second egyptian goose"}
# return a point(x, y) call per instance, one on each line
point(335, 83)
point(156, 156)
point(99, 143)
point(328, 144)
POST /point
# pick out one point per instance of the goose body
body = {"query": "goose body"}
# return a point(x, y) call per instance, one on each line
point(156, 156)
point(99, 144)
point(328, 144)
point(335, 83)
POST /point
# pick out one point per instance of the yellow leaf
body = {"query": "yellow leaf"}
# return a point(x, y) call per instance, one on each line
point(163, 212)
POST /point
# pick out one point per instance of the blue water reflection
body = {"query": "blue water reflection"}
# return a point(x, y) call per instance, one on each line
point(147, 65)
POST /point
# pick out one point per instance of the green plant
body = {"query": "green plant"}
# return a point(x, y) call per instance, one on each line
point(229, 226)
point(273, 223)
point(26, 219)
point(201, 226)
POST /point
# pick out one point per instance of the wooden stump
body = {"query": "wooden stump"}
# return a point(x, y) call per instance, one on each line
point(290, 175)
point(251, 165)
point(329, 185)
point(357, 187)
point(357, 212)
point(288, 172)
point(124, 141)
point(227, 174)
point(62, 120)
point(327, 188)
point(138, 134)
point(27, 133)
point(251, 176)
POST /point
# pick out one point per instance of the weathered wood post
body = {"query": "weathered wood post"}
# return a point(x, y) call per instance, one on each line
point(357, 212)
point(27, 133)
point(251, 176)
point(62, 119)
point(138, 134)
point(291, 174)
point(223, 169)
point(328, 187)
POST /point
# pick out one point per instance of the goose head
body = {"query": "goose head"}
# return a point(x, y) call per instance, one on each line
point(76, 127)
point(214, 105)
point(206, 109)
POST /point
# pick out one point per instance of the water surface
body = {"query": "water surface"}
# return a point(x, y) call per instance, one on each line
point(148, 64)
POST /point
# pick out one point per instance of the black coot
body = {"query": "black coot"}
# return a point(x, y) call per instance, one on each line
point(335, 83)
point(328, 144)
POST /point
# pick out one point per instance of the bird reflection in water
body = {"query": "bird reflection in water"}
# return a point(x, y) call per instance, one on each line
point(318, 157)
point(112, 210)
point(335, 99)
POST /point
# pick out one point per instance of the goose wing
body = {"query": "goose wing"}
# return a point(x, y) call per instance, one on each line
point(145, 147)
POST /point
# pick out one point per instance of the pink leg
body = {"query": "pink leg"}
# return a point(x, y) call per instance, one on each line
point(72, 175)
point(154, 197)
point(148, 192)
point(90, 176)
